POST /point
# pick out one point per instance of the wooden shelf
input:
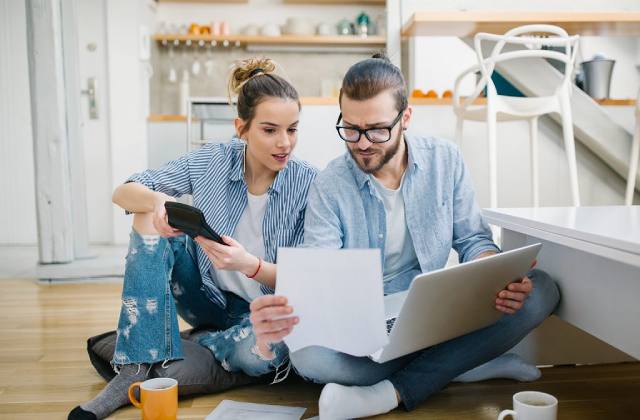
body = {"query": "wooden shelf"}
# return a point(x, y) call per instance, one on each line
point(468, 23)
point(616, 102)
point(168, 118)
point(203, 1)
point(314, 40)
point(363, 2)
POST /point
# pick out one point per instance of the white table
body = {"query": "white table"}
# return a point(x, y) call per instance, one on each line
point(593, 253)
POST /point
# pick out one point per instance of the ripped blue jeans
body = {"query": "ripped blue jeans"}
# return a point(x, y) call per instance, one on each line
point(162, 281)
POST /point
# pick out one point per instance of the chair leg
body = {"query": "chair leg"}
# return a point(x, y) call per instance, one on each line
point(570, 148)
point(493, 158)
point(459, 131)
point(633, 165)
point(533, 138)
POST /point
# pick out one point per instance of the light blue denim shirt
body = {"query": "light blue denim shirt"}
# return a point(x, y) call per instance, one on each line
point(345, 211)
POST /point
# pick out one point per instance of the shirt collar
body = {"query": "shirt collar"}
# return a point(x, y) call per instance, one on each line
point(236, 172)
point(416, 160)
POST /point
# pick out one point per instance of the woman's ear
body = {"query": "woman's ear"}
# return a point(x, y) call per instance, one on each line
point(240, 124)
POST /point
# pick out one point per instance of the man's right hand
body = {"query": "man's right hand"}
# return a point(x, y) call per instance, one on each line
point(270, 321)
point(160, 220)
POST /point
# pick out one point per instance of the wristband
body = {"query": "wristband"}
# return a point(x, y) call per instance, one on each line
point(257, 270)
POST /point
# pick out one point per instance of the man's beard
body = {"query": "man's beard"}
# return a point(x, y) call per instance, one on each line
point(369, 165)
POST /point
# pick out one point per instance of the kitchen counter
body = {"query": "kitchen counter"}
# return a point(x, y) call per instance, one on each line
point(317, 100)
point(466, 23)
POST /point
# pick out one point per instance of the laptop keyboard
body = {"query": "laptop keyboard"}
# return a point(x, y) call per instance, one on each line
point(390, 323)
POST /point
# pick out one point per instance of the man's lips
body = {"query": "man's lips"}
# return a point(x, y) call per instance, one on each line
point(366, 153)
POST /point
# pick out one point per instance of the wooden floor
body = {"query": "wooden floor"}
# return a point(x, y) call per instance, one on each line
point(45, 371)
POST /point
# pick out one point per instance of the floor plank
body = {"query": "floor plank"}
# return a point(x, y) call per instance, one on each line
point(45, 371)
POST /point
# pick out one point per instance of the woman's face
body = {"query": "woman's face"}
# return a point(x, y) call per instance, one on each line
point(273, 133)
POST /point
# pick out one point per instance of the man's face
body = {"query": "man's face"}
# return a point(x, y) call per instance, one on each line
point(379, 111)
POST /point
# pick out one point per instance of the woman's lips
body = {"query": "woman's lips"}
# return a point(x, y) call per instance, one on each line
point(282, 157)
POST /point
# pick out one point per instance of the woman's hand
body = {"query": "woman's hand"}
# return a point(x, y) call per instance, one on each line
point(231, 256)
point(160, 220)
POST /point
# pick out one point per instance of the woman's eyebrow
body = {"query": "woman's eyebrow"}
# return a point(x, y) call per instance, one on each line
point(272, 124)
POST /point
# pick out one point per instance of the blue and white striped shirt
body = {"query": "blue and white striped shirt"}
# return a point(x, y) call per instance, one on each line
point(214, 176)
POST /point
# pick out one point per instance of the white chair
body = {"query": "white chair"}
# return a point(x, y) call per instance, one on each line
point(633, 160)
point(507, 108)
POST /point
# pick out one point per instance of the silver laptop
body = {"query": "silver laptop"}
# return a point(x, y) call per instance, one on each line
point(447, 303)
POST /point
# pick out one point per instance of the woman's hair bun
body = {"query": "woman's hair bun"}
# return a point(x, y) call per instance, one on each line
point(244, 70)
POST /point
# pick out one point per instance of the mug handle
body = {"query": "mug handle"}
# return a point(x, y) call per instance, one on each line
point(505, 413)
point(132, 397)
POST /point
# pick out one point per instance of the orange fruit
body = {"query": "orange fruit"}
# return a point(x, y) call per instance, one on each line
point(431, 94)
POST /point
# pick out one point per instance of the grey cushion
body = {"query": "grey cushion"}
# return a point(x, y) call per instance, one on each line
point(198, 373)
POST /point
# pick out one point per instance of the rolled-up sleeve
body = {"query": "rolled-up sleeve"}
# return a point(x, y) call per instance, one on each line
point(174, 178)
point(471, 233)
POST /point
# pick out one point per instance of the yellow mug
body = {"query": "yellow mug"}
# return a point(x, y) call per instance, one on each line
point(158, 398)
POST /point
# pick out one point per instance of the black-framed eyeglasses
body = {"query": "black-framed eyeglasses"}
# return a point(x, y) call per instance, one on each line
point(374, 135)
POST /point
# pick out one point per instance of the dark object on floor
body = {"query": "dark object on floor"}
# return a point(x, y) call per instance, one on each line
point(198, 373)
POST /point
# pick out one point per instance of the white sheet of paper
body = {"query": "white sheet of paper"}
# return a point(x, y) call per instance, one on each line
point(234, 410)
point(338, 295)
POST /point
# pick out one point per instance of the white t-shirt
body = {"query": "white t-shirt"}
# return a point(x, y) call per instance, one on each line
point(249, 234)
point(399, 253)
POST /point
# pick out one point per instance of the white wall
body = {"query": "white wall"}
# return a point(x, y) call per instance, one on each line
point(259, 12)
point(128, 95)
point(17, 205)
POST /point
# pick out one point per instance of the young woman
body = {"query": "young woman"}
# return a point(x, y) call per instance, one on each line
point(251, 191)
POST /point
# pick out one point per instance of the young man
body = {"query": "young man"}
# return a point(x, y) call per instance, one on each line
point(411, 197)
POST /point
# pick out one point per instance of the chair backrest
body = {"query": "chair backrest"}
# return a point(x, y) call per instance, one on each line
point(528, 36)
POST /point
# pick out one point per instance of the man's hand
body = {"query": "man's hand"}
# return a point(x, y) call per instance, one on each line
point(512, 298)
point(270, 320)
point(231, 257)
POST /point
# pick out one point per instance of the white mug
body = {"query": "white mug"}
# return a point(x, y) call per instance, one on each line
point(532, 405)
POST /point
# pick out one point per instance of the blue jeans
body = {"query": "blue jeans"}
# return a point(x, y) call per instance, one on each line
point(423, 373)
point(162, 281)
